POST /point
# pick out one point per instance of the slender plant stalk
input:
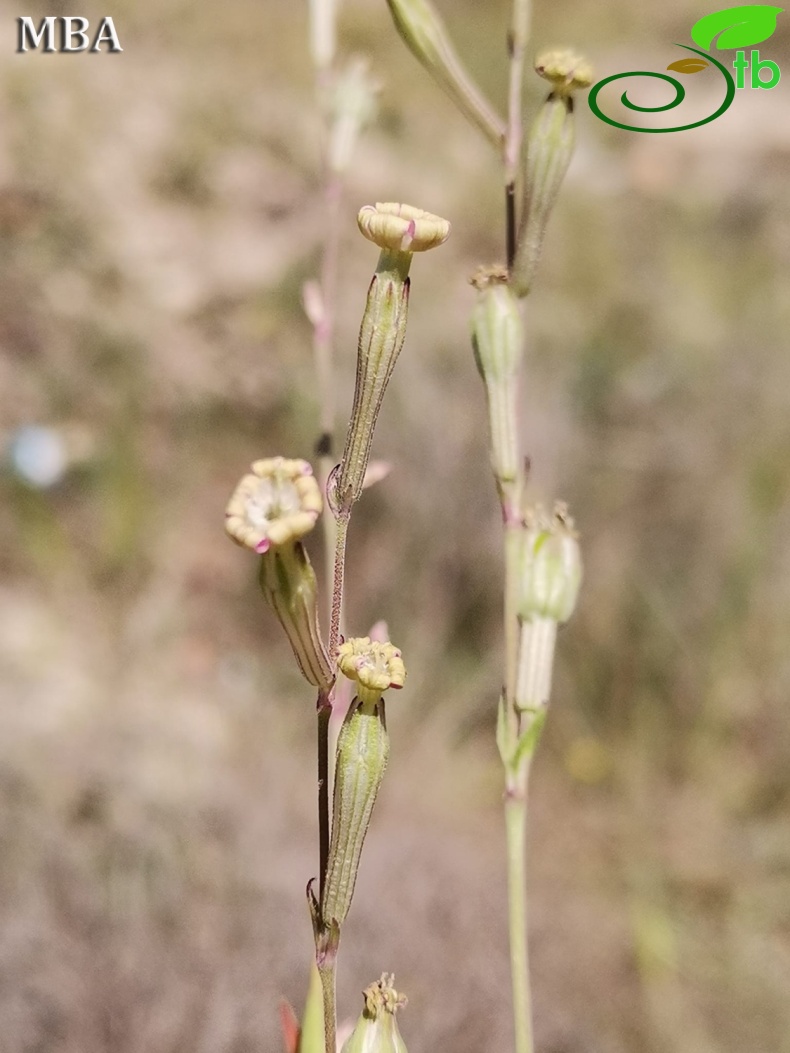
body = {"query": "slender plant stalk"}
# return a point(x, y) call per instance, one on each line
point(519, 33)
point(515, 827)
point(324, 816)
point(328, 973)
point(338, 582)
point(323, 318)
point(516, 798)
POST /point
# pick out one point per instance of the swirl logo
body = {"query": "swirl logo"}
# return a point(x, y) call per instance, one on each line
point(735, 28)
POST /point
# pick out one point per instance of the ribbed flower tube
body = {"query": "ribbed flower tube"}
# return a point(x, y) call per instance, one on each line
point(498, 343)
point(381, 337)
point(288, 583)
point(361, 760)
point(362, 754)
point(550, 144)
point(399, 231)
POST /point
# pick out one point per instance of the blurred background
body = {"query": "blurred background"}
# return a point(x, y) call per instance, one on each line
point(160, 211)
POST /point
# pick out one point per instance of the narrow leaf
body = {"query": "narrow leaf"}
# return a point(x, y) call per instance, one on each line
point(688, 65)
point(503, 742)
point(529, 740)
point(736, 27)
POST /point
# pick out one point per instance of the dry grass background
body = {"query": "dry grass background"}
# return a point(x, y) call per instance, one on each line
point(158, 212)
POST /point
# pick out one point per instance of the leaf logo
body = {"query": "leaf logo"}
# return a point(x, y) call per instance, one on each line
point(688, 65)
point(736, 27)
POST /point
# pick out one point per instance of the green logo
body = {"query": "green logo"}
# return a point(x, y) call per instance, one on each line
point(734, 28)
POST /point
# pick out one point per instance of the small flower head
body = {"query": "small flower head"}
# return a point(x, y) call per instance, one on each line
point(564, 70)
point(402, 228)
point(375, 666)
point(551, 566)
point(278, 502)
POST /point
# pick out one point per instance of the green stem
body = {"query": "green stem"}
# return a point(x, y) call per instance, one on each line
point(519, 33)
point(328, 973)
point(515, 827)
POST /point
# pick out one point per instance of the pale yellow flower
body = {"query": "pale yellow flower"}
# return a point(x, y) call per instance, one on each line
point(565, 70)
point(375, 666)
point(278, 502)
point(402, 228)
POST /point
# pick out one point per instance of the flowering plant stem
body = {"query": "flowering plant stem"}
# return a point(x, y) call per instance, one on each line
point(322, 315)
point(327, 969)
point(515, 826)
point(516, 790)
point(512, 498)
point(519, 33)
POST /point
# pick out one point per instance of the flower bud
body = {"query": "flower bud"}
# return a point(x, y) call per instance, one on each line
point(426, 37)
point(498, 343)
point(549, 150)
point(399, 230)
point(377, 1030)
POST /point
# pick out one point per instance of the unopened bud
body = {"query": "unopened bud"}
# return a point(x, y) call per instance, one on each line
point(426, 37)
point(549, 150)
point(377, 1029)
point(400, 231)
point(498, 343)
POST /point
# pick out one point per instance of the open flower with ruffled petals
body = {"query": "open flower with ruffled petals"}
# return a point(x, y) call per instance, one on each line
point(279, 501)
point(402, 228)
point(270, 511)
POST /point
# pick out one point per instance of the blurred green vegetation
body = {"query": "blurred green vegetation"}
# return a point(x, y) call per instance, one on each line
point(159, 212)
